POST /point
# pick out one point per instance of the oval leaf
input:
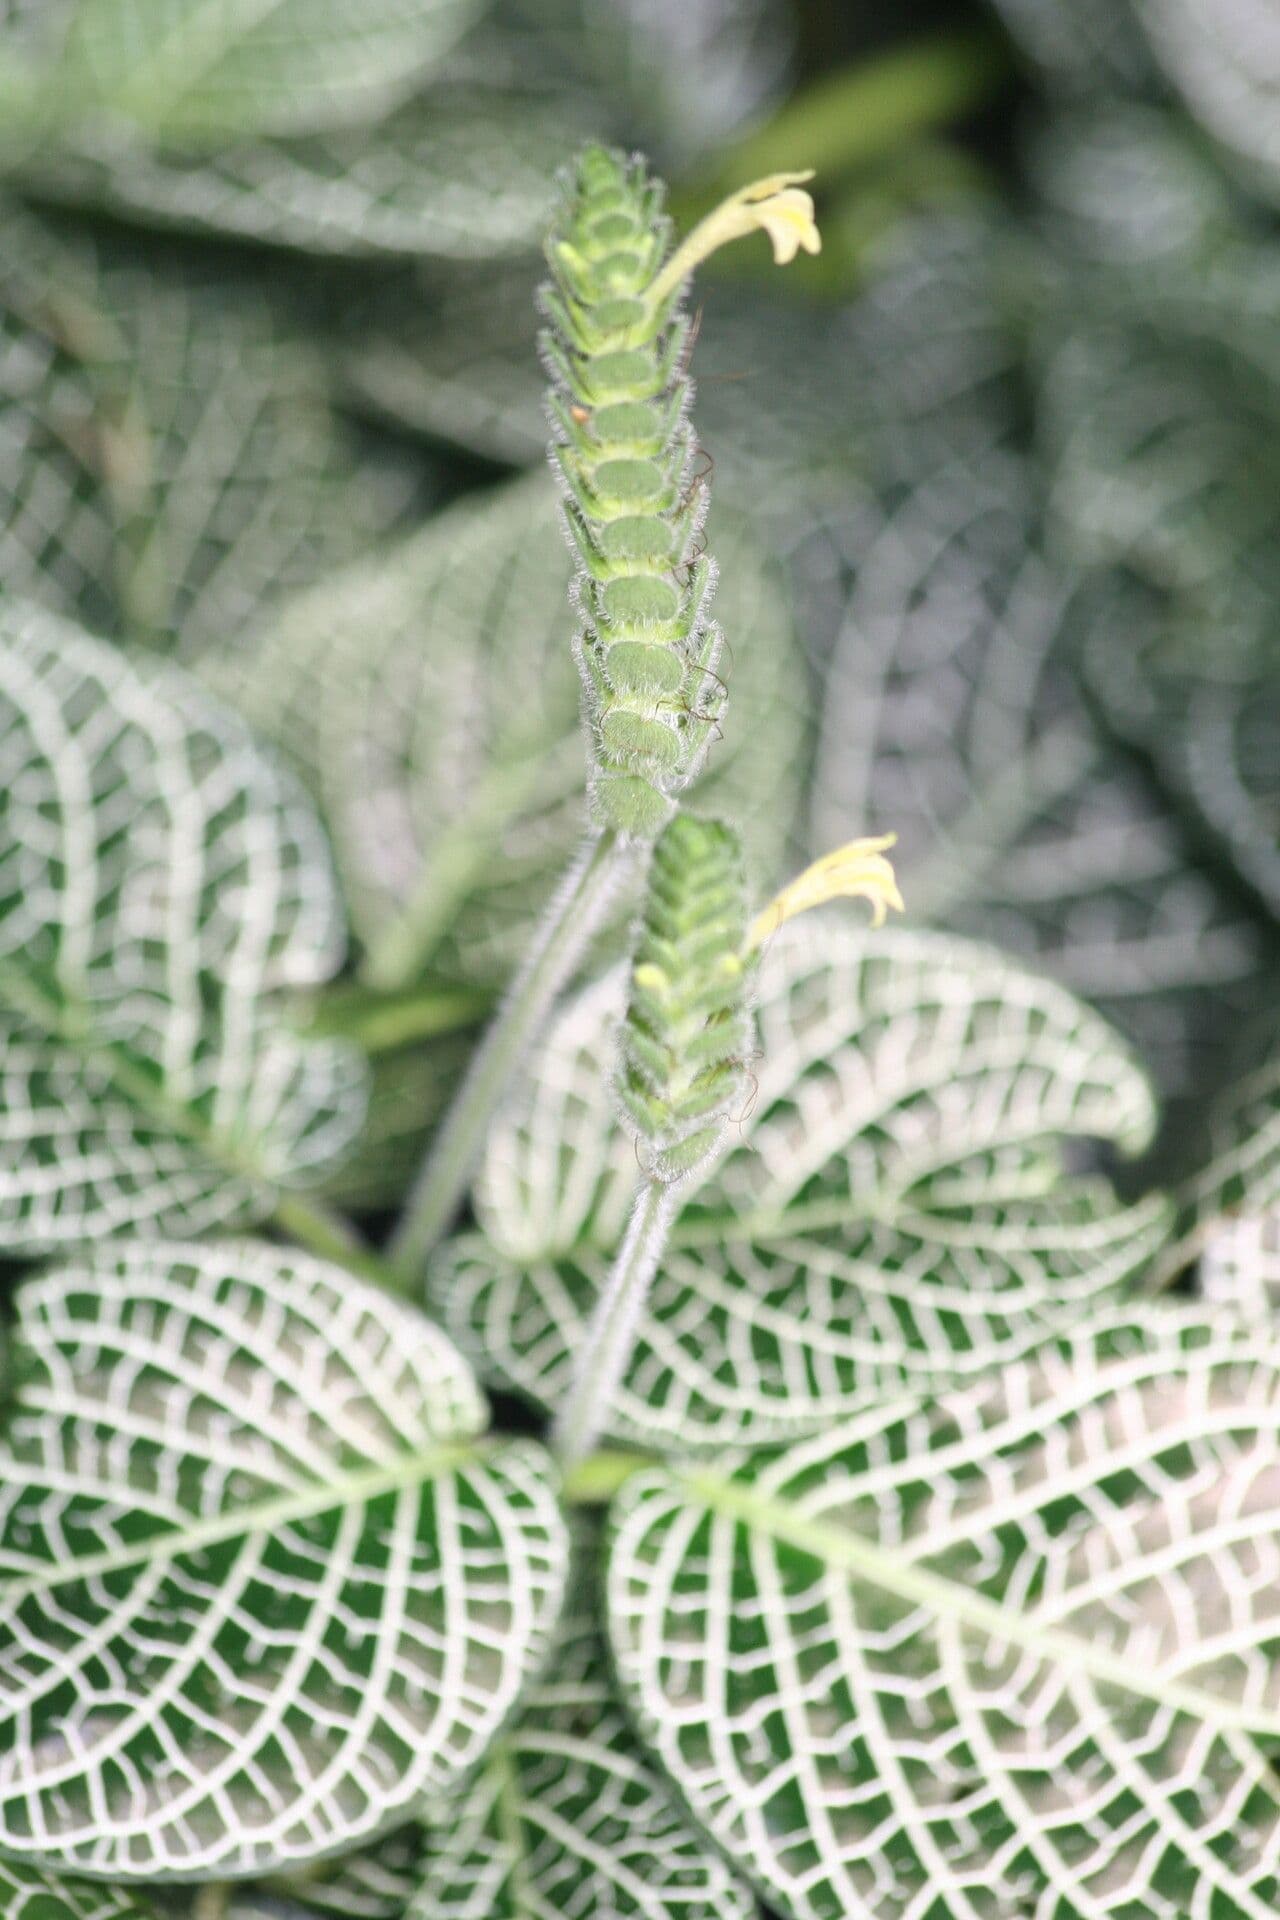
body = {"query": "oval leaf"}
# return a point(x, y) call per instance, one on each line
point(163, 886)
point(204, 68)
point(951, 716)
point(1014, 1653)
point(567, 1815)
point(893, 1217)
point(452, 774)
point(457, 175)
point(261, 1584)
point(28, 1894)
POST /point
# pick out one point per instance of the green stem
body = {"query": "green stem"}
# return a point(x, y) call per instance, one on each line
point(866, 110)
point(570, 922)
point(463, 851)
point(328, 1235)
point(602, 1362)
point(211, 1902)
point(594, 1481)
point(386, 1022)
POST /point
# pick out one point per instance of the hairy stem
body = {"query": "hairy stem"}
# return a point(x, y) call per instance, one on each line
point(602, 1361)
point(570, 922)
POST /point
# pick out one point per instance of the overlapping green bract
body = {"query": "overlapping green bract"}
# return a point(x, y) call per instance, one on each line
point(647, 649)
point(685, 1033)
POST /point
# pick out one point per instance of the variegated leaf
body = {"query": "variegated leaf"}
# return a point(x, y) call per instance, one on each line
point(262, 1583)
point(1014, 1653)
point(204, 69)
point(1199, 696)
point(455, 174)
point(1238, 1170)
point(28, 1894)
point(1125, 185)
point(1223, 56)
point(169, 461)
point(1240, 1267)
point(430, 699)
point(892, 1215)
point(1082, 46)
point(567, 1816)
point(164, 886)
point(951, 715)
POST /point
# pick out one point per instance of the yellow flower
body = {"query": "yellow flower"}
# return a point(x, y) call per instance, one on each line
point(776, 205)
point(857, 871)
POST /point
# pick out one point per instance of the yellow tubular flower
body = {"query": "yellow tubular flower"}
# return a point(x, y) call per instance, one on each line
point(776, 205)
point(856, 871)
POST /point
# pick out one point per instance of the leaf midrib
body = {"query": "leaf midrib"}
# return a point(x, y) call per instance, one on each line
point(267, 1516)
point(851, 1553)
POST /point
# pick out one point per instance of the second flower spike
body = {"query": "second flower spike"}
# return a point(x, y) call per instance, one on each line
point(687, 1032)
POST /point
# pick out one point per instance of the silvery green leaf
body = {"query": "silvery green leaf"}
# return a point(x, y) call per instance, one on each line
point(29, 1894)
point(165, 887)
point(375, 1883)
point(1238, 1169)
point(932, 351)
point(454, 174)
point(1082, 46)
point(567, 1815)
point(1198, 696)
point(455, 360)
point(690, 75)
point(1223, 56)
point(263, 1584)
point(1239, 1266)
point(430, 699)
point(951, 716)
point(1124, 185)
point(892, 1215)
point(205, 69)
point(169, 461)
point(1012, 1653)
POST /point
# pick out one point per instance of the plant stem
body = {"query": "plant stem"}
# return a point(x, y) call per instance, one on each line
point(386, 1022)
point(594, 1481)
point(327, 1234)
point(602, 1360)
point(567, 928)
point(211, 1902)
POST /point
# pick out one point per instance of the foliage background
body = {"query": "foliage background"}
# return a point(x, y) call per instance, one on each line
point(995, 479)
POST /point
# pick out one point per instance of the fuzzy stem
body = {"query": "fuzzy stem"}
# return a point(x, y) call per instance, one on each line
point(602, 1360)
point(571, 920)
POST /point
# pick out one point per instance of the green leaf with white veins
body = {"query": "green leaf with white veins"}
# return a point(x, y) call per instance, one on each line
point(1013, 1653)
point(951, 714)
point(162, 886)
point(456, 174)
point(169, 461)
point(209, 68)
point(451, 774)
point(263, 1585)
point(567, 1815)
point(891, 1216)
point(28, 1894)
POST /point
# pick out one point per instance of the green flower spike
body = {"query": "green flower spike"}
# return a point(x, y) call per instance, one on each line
point(616, 347)
point(687, 1030)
